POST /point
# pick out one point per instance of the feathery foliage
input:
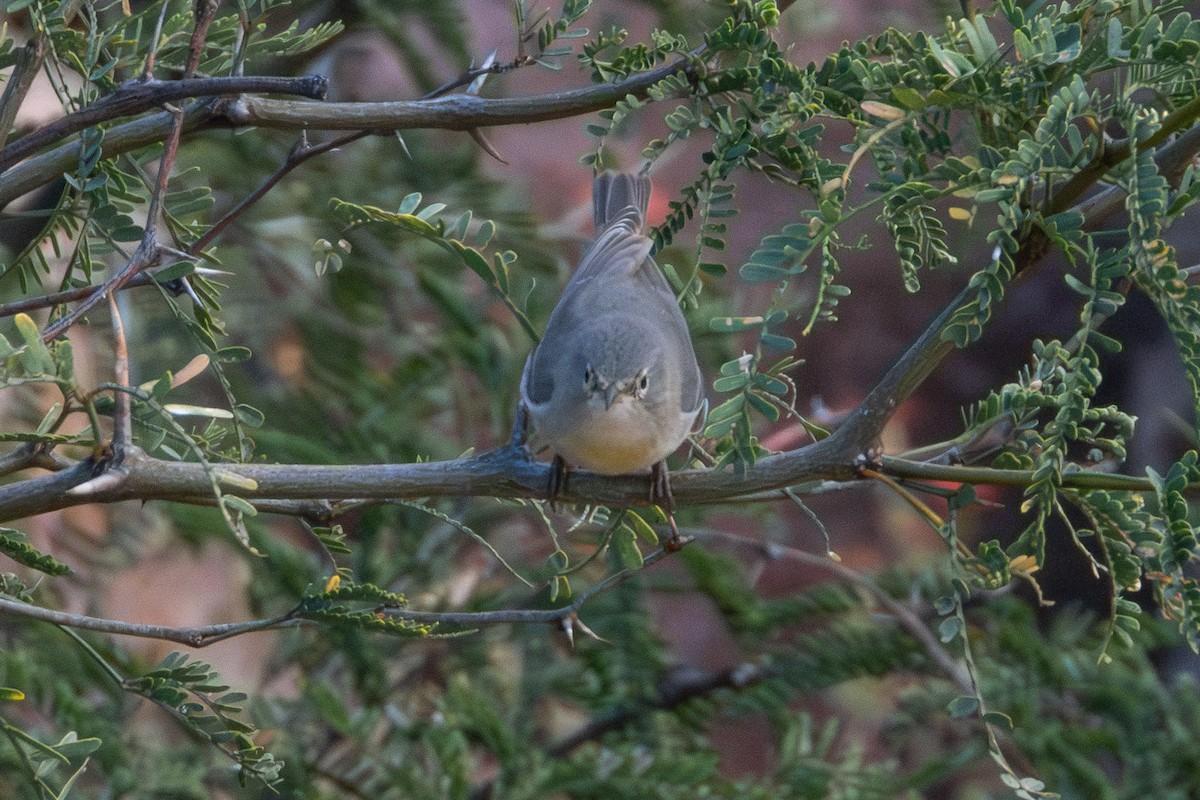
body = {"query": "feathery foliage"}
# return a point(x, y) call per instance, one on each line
point(449, 646)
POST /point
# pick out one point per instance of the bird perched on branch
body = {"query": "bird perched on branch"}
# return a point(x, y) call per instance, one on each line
point(614, 386)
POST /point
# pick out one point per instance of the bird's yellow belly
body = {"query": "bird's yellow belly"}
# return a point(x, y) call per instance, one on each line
point(612, 444)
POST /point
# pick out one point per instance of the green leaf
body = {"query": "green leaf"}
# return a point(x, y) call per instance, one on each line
point(731, 383)
point(236, 503)
point(13, 545)
point(964, 706)
point(641, 527)
point(734, 324)
point(249, 415)
point(177, 270)
point(624, 542)
point(35, 357)
point(729, 408)
point(233, 355)
point(777, 342)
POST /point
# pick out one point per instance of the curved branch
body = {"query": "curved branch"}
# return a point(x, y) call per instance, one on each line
point(510, 473)
point(507, 473)
point(134, 97)
point(39, 170)
point(455, 112)
point(905, 616)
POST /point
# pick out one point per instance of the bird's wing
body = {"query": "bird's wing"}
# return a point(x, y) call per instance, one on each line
point(537, 384)
point(616, 275)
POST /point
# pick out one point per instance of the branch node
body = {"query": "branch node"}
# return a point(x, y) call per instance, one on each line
point(107, 471)
point(110, 479)
point(868, 462)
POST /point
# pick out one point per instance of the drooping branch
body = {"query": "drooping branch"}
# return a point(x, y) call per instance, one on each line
point(684, 684)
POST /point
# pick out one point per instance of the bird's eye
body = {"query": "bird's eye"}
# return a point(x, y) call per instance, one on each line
point(587, 374)
point(643, 382)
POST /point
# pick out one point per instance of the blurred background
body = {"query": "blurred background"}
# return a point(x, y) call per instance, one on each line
point(402, 354)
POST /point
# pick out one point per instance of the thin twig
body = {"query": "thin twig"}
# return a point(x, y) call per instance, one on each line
point(905, 616)
point(145, 257)
point(526, 616)
point(476, 72)
point(206, 12)
point(202, 636)
point(68, 296)
point(123, 411)
point(299, 154)
point(155, 40)
point(192, 637)
point(32, 455)
point(148, 252)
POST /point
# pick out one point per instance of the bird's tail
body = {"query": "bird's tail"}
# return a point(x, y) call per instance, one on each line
point(619, 195)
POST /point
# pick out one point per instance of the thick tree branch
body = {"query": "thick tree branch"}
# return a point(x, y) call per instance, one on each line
point(135, 97)
point(499, 473)
point(455, 112)
point(49, 166)
point(509, 473)
point(458, 112)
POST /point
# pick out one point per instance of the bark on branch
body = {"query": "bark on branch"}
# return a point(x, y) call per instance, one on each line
point(452, 112)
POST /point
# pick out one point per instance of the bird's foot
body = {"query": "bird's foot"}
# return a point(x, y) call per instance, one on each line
point(660, 495)
point(557, 482)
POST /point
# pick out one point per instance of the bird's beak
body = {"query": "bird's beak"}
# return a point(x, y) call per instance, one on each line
point(610, 394)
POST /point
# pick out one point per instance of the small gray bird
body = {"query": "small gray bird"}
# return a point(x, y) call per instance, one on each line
point(614, 386)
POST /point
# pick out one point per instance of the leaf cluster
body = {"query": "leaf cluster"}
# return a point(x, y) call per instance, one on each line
point(355, 319)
